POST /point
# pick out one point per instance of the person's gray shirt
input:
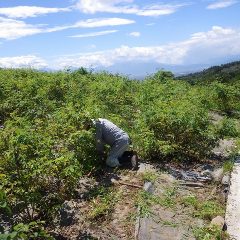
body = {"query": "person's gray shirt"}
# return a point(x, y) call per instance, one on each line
point(109, 133)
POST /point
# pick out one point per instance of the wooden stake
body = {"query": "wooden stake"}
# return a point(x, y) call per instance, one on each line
point(129, 184)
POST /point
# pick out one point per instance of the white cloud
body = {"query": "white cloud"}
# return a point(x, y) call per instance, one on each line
point(135, 34)
point(94, 34)
point(13, 29)
point(201, 47)
point(113, 6)
point(163, 54)
point(94, 23)
point(29, 11)
point(150, 24)
point(221, 4)
point(126, 6)
point(157, 10)
point(217, 43)
point(22, 62)
point(102, 22)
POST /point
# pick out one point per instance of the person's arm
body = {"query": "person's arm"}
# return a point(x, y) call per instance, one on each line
point(99, 140)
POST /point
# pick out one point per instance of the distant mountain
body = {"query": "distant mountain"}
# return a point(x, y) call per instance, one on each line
point(141, 69)
point(225, 73)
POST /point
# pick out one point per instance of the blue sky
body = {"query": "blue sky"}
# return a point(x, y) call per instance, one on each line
point(133, 37)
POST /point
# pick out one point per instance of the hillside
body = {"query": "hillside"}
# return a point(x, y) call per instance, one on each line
point(225, 73)
point(46, 152)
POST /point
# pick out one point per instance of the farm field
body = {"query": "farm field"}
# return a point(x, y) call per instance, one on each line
point(46, 156)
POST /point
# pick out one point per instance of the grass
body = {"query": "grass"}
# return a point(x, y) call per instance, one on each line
point(209, 209)
point(144, 202)
point(149, 176)
point(168, 199)
point(169, 223)
point(190, 200)
point(210, 233)
point(206, 210)
point(203, 209)
point(228, 166)
point(103, 202)
point(131, 217)
point(237, 145)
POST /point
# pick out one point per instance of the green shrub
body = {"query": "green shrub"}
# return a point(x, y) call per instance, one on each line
point(33, 230)
point(178, 129)
point(44, 148)
point(228, 128)
point(226, 97)
point(41, 167)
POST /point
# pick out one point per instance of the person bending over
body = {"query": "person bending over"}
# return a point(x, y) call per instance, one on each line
point(108, 133)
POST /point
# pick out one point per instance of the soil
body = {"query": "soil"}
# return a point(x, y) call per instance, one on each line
point(120, 222)
point(171, 219)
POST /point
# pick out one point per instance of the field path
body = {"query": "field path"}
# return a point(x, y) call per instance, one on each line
point(233, 204)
